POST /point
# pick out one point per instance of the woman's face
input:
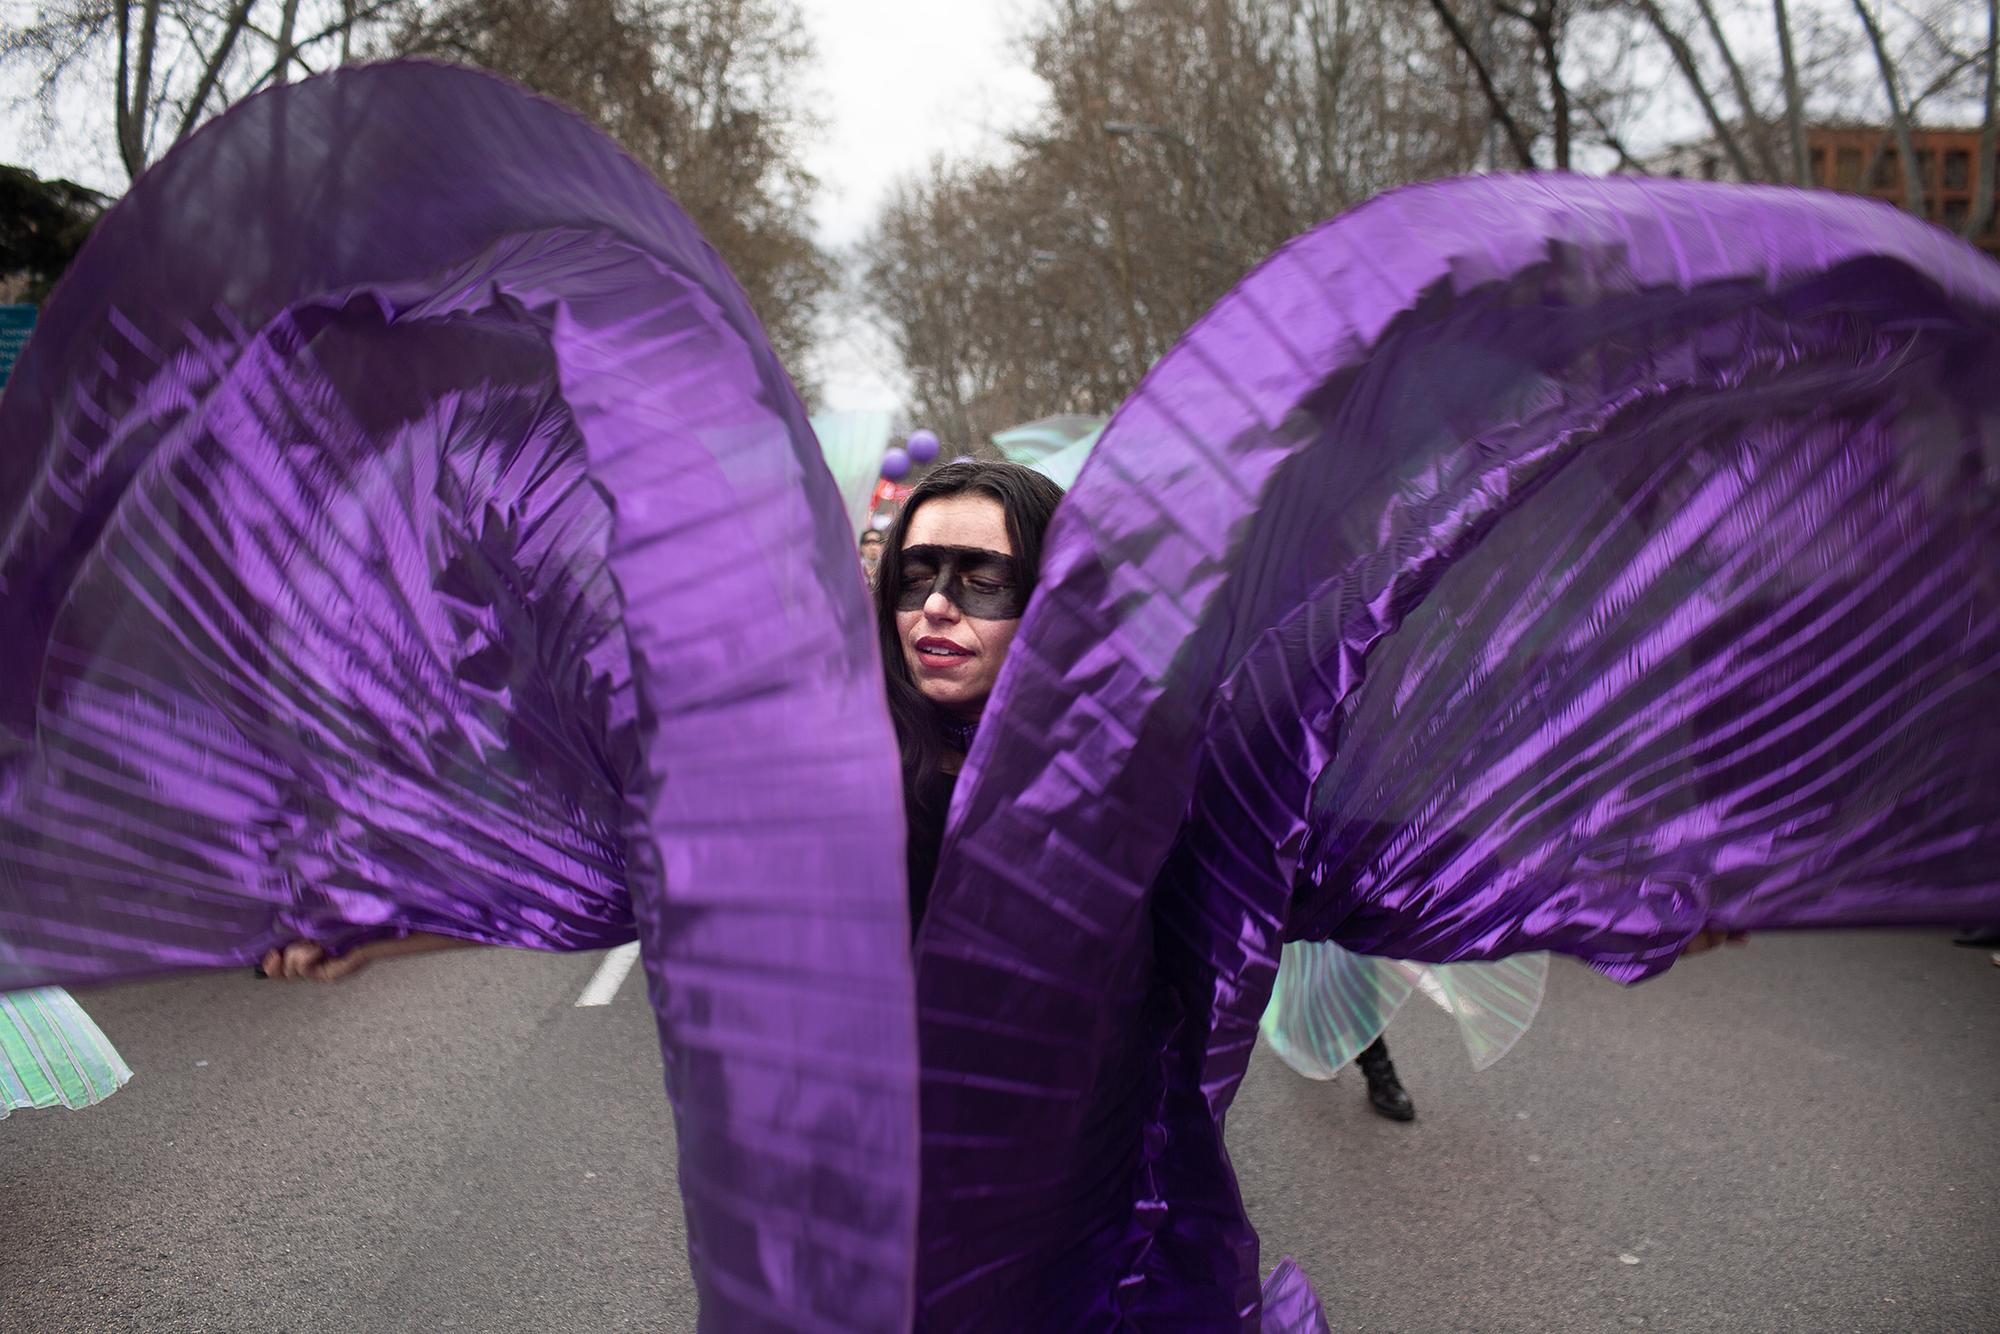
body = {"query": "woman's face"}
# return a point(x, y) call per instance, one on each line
point(959, 600)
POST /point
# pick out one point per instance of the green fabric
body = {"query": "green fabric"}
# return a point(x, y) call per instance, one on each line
point(853, 444)
point(1329, 1004)
point(1054, 446)
point(1063, 466)
point(51, 1053)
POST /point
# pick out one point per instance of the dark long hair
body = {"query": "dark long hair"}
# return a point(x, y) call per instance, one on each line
point(1029, 500)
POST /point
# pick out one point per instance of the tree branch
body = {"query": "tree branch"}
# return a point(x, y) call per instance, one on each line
point(1989, 129)
point(276, 72)
point(350, 18)
point(1899, 120)
point(233, 25)
point(1741, 86)
point(1941, 82)
point(124, 107)
point(149, 36)
point(1517, 140)
point(1684, 58)
point(1550, 41)
point(1611, 140)
point(1794, 104)
point(287, 23)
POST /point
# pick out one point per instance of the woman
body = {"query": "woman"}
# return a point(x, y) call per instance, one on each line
point(960, 565)
point(1425, 604)
point(957, 571)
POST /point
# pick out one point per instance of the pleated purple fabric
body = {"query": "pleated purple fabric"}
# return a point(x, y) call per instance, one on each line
point(405, 525)
point(1510, 565)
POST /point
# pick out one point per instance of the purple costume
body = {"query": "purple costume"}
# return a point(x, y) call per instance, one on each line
point(405, 525)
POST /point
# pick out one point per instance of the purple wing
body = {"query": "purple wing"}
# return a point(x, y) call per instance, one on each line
point(407, 526)
point(1510, 565)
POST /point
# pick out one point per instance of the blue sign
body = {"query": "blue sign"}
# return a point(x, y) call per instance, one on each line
point(15, 324)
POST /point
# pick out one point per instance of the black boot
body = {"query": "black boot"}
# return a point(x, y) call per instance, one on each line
point(1385, 1092)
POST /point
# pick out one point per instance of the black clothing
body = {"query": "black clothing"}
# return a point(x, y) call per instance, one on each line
point(1386, 1093)
point(926, 811)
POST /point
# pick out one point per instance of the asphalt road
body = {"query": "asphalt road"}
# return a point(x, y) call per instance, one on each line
point(1800, 1135)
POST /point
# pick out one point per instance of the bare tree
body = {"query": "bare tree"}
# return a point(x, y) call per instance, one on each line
point(995, 287)
point(167, 65)
point(1697, 83)
point(1183, 141)
point(1989, 130)
point(1497, 104)
point(1598, 62)
point(1746, 105)
point(704, 92)
point(1899, 119)
point(1795, 115)
point(1545, 21)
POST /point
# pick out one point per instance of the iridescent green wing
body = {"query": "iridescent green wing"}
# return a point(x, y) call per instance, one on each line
point(51, 1053)
point(1329, 1003)
point(1493, 1002)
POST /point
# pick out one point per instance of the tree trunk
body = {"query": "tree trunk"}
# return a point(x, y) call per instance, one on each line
point(1989, 130)
point(123, 115)
point(1753, 124)
point(1684, 58)
point(1795, 114)
point(239, 18)
point(142, 107)
point(1549, 38)
point(1899, 121)
point(135, 92)
point(1517, 140)
point(287, 28)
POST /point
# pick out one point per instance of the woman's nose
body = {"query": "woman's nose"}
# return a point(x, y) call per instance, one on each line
point(938, 607)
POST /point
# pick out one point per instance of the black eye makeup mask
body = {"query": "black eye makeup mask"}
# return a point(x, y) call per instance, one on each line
point(978, 582)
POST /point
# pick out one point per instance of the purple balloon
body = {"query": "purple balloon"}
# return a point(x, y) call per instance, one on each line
point(923, 445)
point(895, 463)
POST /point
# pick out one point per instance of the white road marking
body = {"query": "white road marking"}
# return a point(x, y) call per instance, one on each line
point(610, 975)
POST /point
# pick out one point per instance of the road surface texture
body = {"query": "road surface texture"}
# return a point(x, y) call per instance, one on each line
point(1797, 1135)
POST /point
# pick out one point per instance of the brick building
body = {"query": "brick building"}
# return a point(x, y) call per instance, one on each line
point(1863, 160)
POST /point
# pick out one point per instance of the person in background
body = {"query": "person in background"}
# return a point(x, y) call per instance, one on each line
point(871, 553)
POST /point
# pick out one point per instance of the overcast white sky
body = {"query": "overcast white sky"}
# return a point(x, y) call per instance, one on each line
point(902, 81)
point(898, 82)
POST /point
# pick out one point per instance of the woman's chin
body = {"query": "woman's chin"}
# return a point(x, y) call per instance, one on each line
point(953, 697)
